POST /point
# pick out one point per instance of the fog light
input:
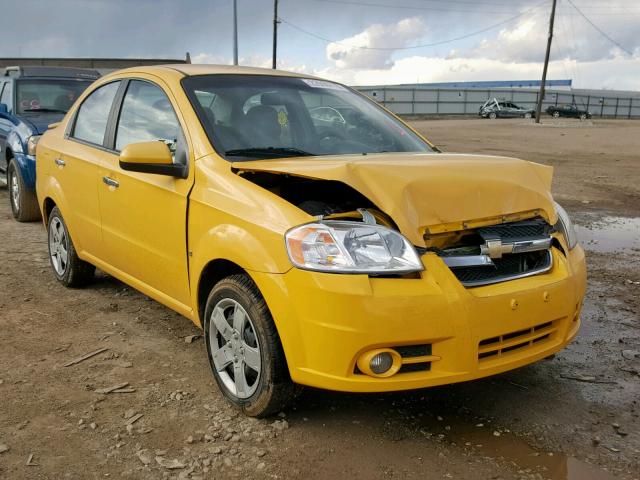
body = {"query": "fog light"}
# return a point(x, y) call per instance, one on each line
point(381, 363)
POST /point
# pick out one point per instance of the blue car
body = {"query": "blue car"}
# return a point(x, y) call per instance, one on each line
point(31, 98)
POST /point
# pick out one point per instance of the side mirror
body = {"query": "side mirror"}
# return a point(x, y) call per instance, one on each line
point(3, 108)
point(151, 157)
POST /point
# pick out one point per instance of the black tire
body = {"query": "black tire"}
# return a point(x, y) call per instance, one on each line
point(274, 389)
point(24, 204)
point(75, 272)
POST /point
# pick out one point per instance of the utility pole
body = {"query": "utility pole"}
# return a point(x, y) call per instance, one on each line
point(275, 33)
point(546, 63)
point(235, 32)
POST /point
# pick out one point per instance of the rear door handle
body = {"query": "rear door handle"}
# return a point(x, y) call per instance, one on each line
point(60, 162)
point(111, 182)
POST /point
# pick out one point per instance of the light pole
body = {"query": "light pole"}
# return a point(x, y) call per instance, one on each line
point(275, 33)
point(546, 63)
point(235, 32)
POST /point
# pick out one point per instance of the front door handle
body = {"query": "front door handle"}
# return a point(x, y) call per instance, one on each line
point(61, 163)
point(111, 182)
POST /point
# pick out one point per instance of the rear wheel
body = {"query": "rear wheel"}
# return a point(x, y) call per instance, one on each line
point(244, 348)
point(24, 204)
point(583, 116)
point(67, 266)
point(527, 115)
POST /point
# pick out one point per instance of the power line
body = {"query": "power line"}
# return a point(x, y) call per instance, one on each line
point(424, 45)
point(602, 32)
point(415, 7)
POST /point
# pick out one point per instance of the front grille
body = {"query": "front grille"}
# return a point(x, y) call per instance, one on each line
point(505, 268)
point(497, 253)
point(534, 228)
point(495, 347)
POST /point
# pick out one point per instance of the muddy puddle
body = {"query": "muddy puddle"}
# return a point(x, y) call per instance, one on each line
point(610, 234)
point(481, 439)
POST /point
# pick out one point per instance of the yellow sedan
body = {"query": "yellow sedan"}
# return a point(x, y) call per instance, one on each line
point(316, 238)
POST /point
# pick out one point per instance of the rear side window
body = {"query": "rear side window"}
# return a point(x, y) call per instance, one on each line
point(91, 121)
point(146, 115)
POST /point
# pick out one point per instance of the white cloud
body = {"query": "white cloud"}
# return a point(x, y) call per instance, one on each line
point(607, 73)
point(348, 53)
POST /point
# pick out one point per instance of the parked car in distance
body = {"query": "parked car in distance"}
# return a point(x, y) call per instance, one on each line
point(346, 255)
point(31, 98)
point(570, 111)
point(494, 108)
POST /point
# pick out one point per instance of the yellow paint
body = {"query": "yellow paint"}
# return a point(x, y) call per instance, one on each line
point(146, 152)
point(158, 233)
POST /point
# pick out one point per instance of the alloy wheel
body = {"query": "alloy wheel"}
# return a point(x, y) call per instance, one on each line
point(234, 348)
point(14, 186)
point(58, 246)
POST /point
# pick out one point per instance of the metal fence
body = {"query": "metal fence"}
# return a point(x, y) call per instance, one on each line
point(451, 101)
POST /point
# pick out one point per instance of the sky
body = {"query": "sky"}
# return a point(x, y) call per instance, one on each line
point(358, 42)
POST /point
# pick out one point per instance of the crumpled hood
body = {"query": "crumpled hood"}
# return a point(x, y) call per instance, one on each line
point(421, 191)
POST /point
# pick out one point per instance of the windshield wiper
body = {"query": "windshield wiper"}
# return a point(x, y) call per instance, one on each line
point(47, 110)
point(268, 152)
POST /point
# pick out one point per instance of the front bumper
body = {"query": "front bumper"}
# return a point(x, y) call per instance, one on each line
point(326, 321)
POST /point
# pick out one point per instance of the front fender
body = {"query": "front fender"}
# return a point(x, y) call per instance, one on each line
point(27, 166)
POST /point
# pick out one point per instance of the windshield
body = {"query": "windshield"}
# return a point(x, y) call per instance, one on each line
point(48, 95)
point(259, 116)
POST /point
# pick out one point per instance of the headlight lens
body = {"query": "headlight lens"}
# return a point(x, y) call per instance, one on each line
point(31, 144)
point(351, 247)
point(565, 226)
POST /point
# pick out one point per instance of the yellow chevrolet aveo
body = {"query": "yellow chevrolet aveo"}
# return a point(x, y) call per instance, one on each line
point(316, 238)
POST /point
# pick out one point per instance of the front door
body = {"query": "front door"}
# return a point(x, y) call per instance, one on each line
point(144, 216)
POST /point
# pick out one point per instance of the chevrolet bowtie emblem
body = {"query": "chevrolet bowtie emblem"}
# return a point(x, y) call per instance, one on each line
point(494, 248)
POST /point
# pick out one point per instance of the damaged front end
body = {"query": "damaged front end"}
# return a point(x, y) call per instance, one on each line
point(486, 228)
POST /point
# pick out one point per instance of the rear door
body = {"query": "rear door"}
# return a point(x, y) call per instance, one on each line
point(75, 168)
point(144, 215)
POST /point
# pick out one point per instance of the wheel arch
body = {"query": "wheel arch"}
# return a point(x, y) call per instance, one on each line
point(214, 271)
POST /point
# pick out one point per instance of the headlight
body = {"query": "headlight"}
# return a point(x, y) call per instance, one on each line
point(31, 144)
point(565, 226)
point(351, 247)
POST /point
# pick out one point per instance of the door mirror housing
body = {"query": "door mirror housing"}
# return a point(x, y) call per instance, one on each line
point(3, 108)
point(151, 157)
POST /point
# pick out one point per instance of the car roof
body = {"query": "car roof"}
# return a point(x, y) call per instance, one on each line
point(190, 69)
point(60, 72)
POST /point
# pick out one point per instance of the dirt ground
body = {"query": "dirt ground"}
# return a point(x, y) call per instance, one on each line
point(575, 416)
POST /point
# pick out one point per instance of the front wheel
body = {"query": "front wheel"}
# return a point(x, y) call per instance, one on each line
point(244, 348)
point(527, 115)
point(556, 114)
point(67, 266)
point(583, 116)
point(493, 115)
point(24, 205)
